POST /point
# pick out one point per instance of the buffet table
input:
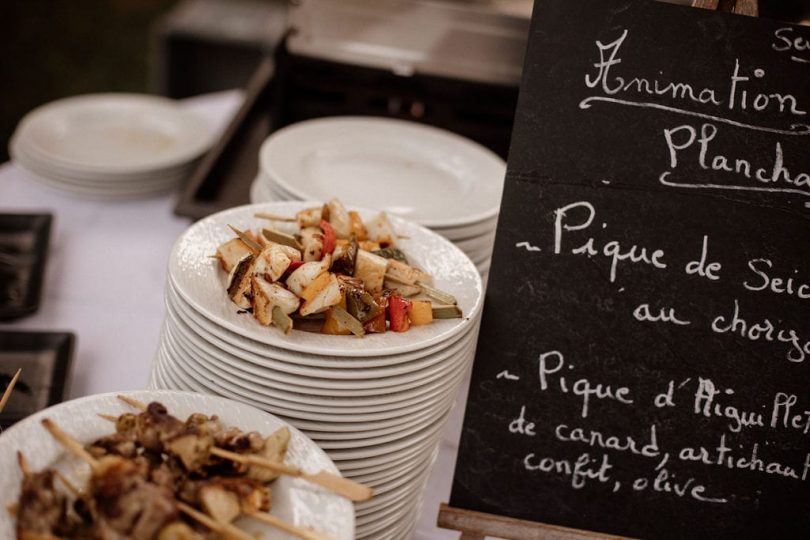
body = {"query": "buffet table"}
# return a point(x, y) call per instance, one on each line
point(105, 279)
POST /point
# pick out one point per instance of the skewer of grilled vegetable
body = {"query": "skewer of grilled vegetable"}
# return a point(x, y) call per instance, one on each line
point(350, 489)
point(337, 268)
point(8, 390)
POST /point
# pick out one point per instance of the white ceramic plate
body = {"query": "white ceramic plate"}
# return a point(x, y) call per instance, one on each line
point(200, 281)
point(350, 469)
point(165, 378)
point(468, 231)
point(196, 377)
point(370, 510)
point(385, 517)
point(21, 153)
point(259, 193)
point(94, 192)
point(286, 368)
point(335, 412)
point(267, 394)
point(208, 334)
point(114, 133)
point(383, 400)
point(139, 186)
point(294, 500)
point(476, 245)
point(411, 170)
point(390, 472)
point(144, 184)
point(443, 366)
point(264, 189)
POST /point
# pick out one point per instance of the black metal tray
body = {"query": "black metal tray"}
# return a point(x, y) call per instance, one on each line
point(24, 242)
point(45, 359)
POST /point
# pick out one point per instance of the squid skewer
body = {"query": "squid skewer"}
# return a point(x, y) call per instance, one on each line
point(350, 489)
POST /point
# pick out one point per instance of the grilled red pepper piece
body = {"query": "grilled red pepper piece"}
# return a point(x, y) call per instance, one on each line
point(398, 309)
point(329, 237)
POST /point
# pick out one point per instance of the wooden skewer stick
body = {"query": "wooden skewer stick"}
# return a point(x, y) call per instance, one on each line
point(350, 489)
point(23, 463)
point(108, 417)
point(26, 470)
point(72, 445)
point(132, 402)
point(251, 243)
point(7, 393)
point(306, 534)
point(13, 508)
point(32, 535)
point(354, 491)
point(67, 483)
point(274, 217)
point(225, 529)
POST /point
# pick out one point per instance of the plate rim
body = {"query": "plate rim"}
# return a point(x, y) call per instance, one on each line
point(23, 132)
point(469, 146)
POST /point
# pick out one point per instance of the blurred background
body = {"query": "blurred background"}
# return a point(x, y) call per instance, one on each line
point(56, 48)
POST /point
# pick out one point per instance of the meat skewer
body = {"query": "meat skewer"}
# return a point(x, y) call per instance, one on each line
point(41, 510)
point(210, 492)
point(7, 392)
point(350, 489)
point(102, 469)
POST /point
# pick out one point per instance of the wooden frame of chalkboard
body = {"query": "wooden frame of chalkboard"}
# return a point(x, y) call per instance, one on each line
point(477, 524)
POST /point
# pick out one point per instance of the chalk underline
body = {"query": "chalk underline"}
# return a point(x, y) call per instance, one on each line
point(664, 181)
point(795, 129)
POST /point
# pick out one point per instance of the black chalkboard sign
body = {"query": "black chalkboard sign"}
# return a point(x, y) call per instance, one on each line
point(643, 367)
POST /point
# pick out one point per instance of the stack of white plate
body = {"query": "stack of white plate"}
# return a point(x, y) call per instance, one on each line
point(375, 404)
point(110, 145)
point(427, 175)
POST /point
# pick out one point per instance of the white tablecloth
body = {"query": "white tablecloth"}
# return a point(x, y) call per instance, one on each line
point(105, 278)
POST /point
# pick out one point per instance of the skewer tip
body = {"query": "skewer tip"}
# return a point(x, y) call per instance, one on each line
point(9, 388)
point(23, 463)
point(132, 402)
point(71, 444)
